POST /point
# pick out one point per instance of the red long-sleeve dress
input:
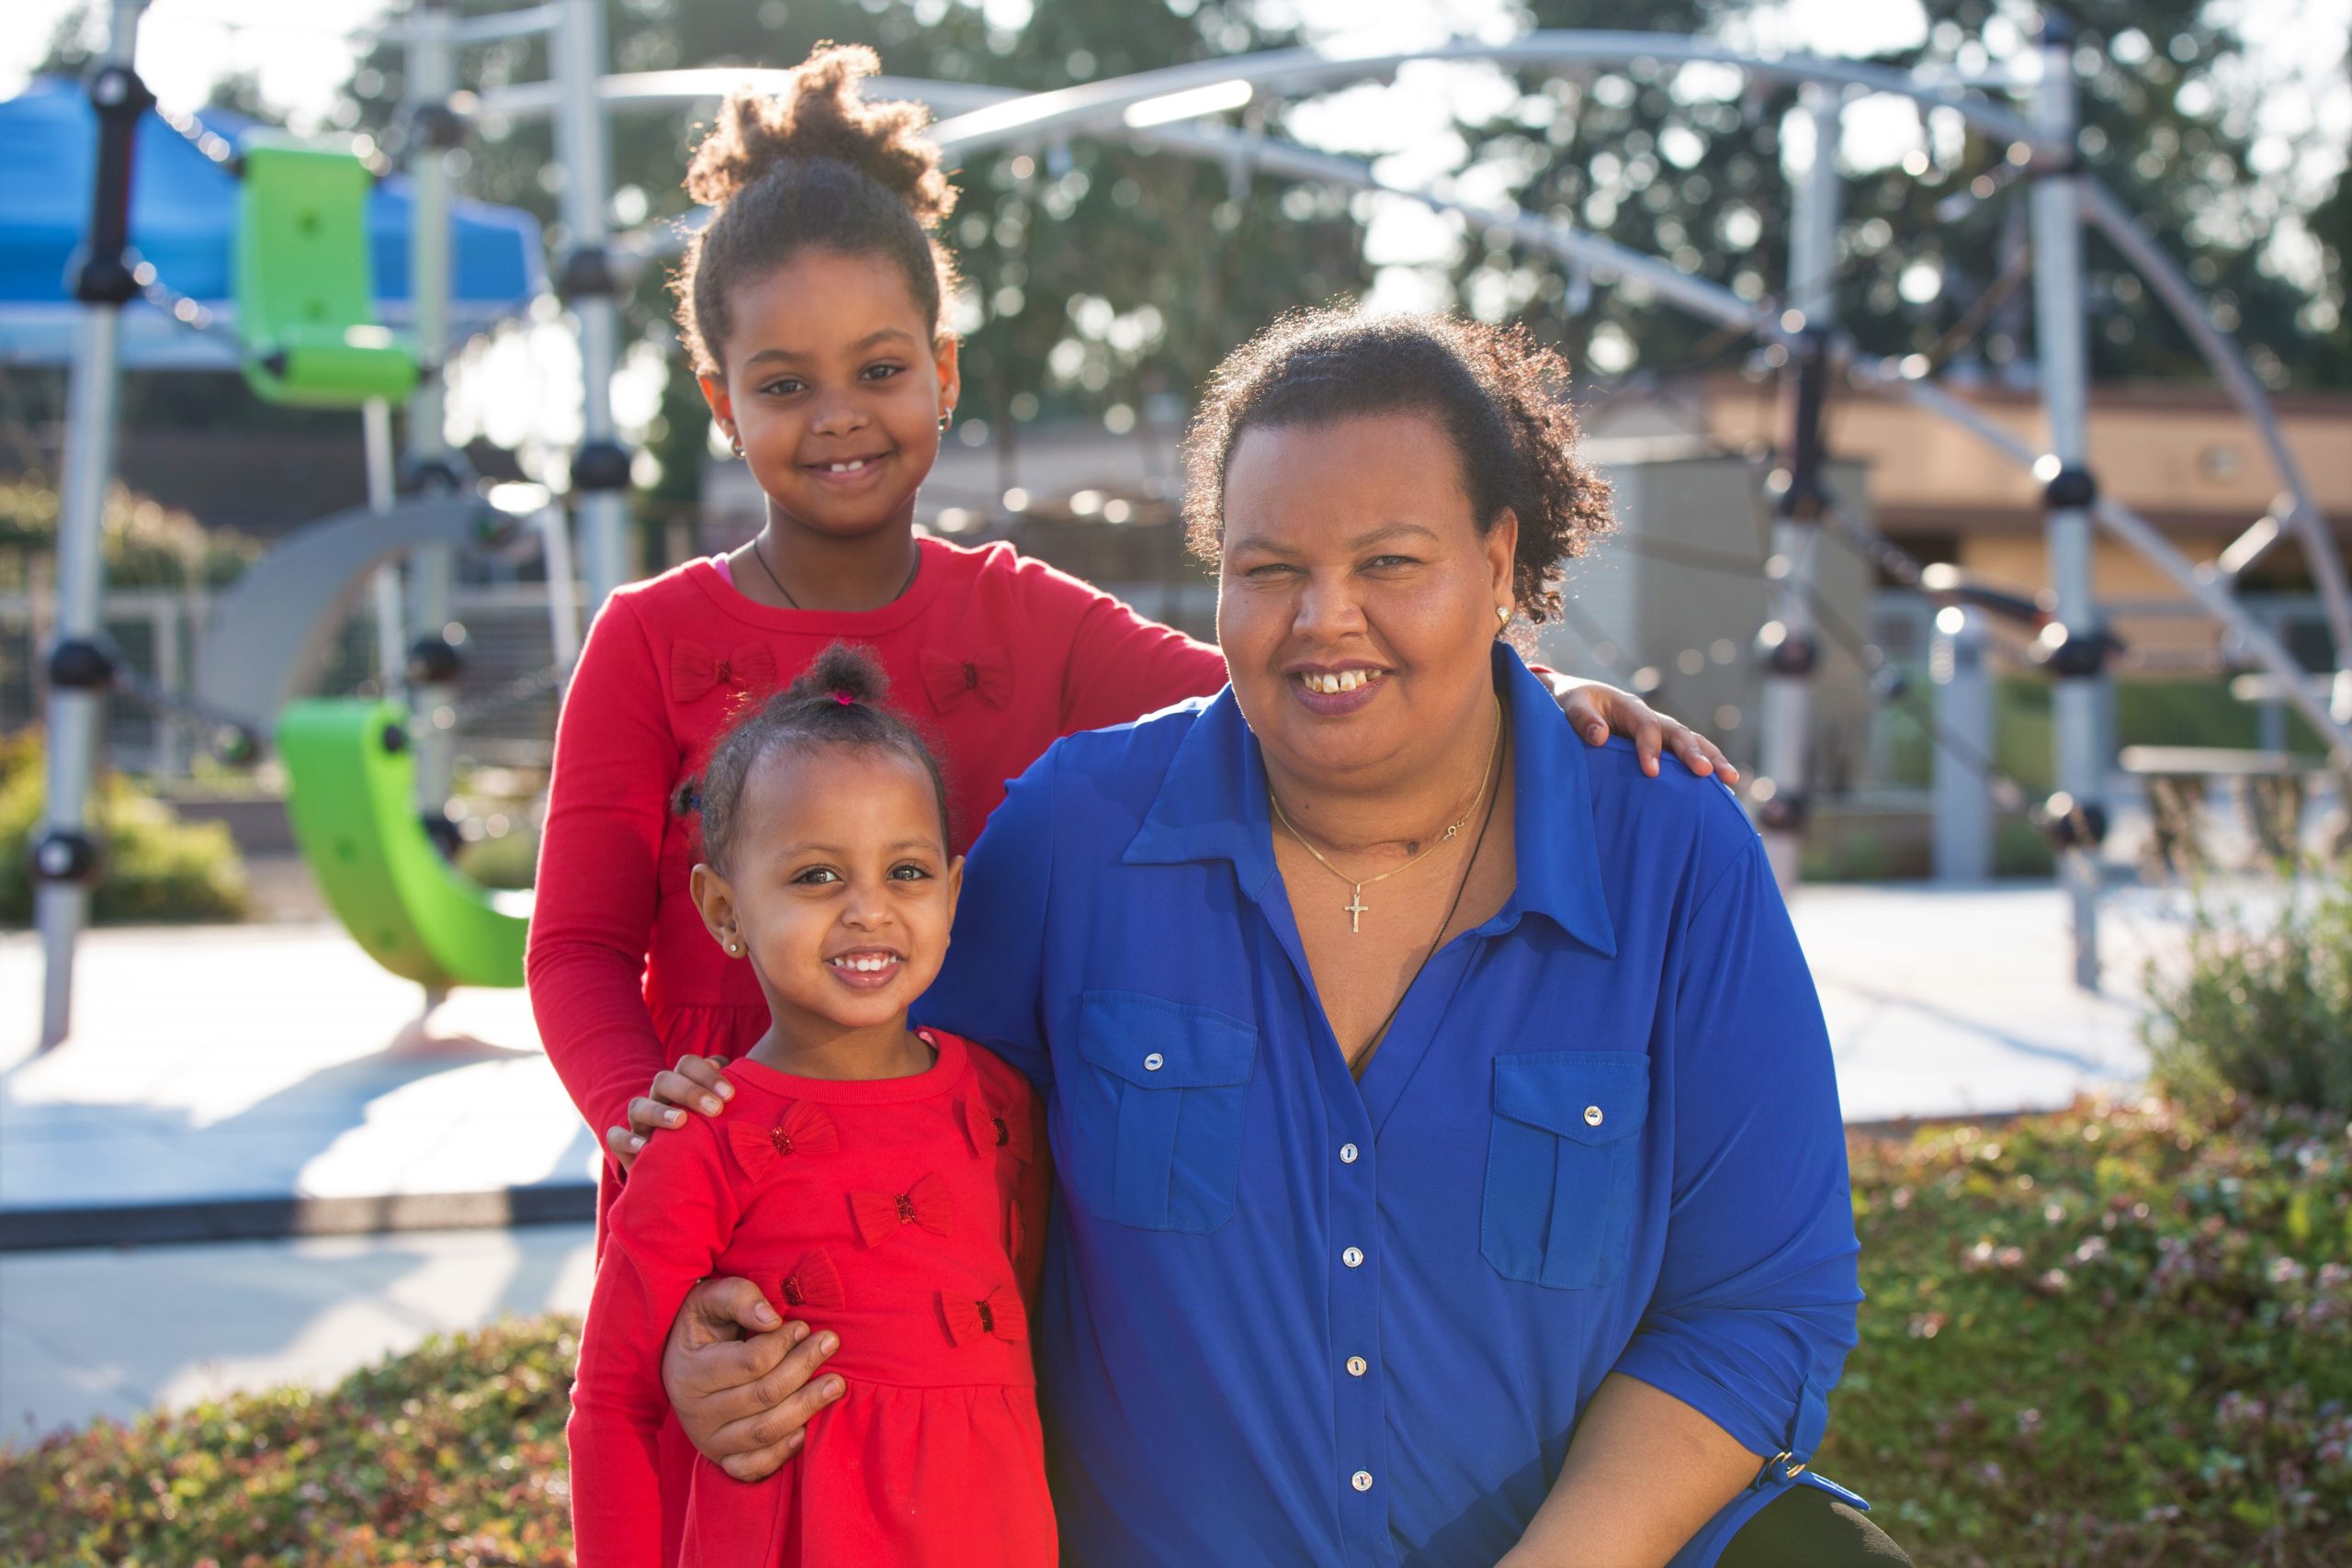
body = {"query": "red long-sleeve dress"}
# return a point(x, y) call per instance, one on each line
point(993, 656)
point(908, 1214)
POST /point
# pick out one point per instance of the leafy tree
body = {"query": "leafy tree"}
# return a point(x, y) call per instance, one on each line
point(1685, 163)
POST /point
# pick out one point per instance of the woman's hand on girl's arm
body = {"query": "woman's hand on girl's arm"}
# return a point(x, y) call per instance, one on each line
point(694, 1084)
point(1598, 711)
point(1644, 1473)
point(740, 1378)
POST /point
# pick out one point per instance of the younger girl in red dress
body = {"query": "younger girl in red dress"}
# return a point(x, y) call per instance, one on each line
point(886, 1184)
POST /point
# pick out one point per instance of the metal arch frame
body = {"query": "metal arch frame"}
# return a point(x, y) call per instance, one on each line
point(984, 118)
point(987, 116)
point(1095, 106)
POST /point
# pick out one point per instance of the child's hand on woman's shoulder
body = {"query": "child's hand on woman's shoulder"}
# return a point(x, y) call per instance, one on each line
point(696, 1084)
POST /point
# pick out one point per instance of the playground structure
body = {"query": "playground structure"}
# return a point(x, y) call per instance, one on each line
point(1155, 108)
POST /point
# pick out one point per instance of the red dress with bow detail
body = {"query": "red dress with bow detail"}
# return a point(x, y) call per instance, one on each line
point(898, 1213)
point(992, 655)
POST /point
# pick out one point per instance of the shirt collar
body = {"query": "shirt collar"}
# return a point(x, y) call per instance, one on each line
point(1213, 805)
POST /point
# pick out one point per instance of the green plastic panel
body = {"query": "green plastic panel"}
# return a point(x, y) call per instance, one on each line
point(305, 302)
point(351, 790)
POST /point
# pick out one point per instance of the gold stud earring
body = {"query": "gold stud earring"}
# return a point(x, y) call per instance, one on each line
point(737, 443)
point(945, 420)
point(1502, 614)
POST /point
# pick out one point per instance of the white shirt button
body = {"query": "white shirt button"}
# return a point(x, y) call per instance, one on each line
point(1346, 1154)
point(1352, 1257)
point(1154, 1061)
point(1592, 1116)
point(1361, 1481)
point(1357, 1366)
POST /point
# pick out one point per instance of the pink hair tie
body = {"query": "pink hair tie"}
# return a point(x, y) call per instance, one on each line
point(844, 699)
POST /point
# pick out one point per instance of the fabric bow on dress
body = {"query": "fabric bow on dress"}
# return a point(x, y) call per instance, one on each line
point(695, 670)
point(814, 1281)
point(998, 1316)
point(803, 1128)
point(991, 1128)
point(987, 673)
point(881, 1216)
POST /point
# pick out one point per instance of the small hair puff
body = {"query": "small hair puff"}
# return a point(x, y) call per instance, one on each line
point(822, 114)
point(814, 165)
point(837, 701)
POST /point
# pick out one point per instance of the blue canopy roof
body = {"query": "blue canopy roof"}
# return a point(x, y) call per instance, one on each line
point(184, 220)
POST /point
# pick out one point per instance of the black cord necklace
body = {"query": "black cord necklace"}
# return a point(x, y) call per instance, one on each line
point(1356, 1067)
point(761, 557)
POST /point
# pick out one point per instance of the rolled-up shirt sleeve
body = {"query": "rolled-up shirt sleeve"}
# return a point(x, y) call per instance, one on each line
point(991, 986)
point(1755, 1306)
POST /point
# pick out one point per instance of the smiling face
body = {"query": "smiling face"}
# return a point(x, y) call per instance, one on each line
point(1357, 598)
point(838, 884)
point(835, 384)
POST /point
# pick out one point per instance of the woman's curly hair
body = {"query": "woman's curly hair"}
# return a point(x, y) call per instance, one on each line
point(838, 700)
point(813, 165)
point(1499, 395)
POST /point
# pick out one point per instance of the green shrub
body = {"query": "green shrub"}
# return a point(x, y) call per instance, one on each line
point(158, 868)
point(2261, 1002)
point(146, 544)
point(2111, 1336)
point(2117, 1334)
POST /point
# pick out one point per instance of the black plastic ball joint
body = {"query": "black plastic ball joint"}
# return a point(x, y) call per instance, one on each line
point(434, 661)
point(2069, 824)
point(444, 834)
point(394, 739)
point(600, 465)
point(2078, 656)
point(1783, 812)
point(439, 127)
point(1780, 652)
point(236, 746)
point(587, 274)
point(67, 855)
point(2070, 489)
point(81, 664)
point(438, 474)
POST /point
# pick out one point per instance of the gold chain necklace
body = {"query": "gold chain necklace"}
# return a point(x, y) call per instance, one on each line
point(1355, 906)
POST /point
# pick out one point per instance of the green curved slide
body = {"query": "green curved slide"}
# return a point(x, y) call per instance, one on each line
point(351, 790)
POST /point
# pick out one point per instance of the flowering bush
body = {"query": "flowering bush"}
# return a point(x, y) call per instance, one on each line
point(2117, 1334)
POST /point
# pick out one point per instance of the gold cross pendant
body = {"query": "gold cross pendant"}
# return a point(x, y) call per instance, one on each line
point(1355, 908)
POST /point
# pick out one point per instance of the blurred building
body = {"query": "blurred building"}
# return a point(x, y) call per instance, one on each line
point(2182, 458)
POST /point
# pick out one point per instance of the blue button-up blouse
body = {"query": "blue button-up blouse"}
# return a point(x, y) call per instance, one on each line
point(1289, 1318)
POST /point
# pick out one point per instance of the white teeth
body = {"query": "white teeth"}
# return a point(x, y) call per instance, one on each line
point(862, 966)
point(844, 467)
point(1344, 681)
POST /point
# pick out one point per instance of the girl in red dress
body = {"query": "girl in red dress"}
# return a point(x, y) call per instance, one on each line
point(886, 1184)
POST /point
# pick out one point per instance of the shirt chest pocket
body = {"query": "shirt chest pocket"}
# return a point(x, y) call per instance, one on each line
point(1153, 1126)
point(1562, 1165)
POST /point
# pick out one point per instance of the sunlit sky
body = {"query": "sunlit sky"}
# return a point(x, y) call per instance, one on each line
point(2295, 79)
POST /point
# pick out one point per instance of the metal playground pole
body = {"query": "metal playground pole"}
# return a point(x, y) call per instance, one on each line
point(1786, 647)
point(67, 856)
point(2078, 642)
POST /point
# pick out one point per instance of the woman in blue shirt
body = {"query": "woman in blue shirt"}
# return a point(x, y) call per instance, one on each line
point(1450, 1163)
